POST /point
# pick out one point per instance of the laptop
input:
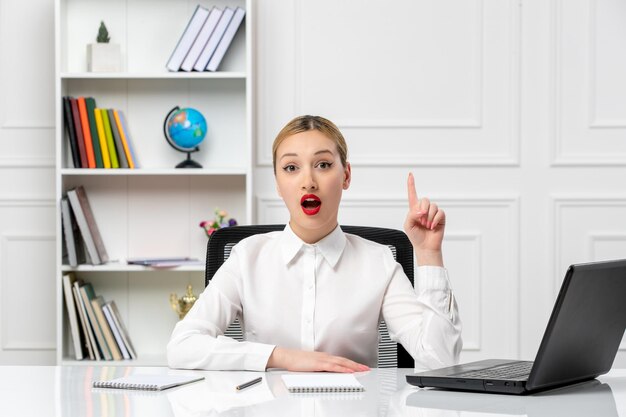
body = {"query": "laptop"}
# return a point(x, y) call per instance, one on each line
point(580, 342)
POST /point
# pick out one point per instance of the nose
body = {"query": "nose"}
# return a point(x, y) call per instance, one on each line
point(308, 180)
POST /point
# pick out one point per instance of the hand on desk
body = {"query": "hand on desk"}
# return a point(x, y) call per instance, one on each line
point(302, 361)
point(424, 225)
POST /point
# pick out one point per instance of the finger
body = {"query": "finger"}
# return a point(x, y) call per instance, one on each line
point(333, 367)
point(411, 190)
point(424, 205)
point(432, 211)
point(440, 219)
point(347, 363)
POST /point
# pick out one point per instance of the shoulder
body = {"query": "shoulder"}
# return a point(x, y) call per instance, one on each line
point(367, 246)
point(257, 242)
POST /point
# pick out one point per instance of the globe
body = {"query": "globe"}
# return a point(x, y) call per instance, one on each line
point(184, 130)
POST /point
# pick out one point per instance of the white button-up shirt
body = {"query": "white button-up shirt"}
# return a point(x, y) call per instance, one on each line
point(328, 296)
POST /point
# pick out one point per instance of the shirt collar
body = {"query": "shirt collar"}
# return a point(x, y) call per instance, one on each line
point(331, 246)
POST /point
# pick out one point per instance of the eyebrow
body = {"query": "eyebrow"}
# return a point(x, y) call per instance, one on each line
point(316, 153)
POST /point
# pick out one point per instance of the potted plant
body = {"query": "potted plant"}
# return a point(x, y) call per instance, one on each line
point(103, 56)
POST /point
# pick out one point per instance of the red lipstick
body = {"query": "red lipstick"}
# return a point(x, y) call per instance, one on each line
point(311, 204)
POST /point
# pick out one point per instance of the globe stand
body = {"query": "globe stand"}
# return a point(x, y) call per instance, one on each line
point(189, 163)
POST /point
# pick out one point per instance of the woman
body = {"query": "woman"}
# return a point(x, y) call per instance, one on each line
point(310, 297)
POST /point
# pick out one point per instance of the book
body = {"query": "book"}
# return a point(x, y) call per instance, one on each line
point(147, 382)
point(188, 37)
point(226, 40)
point(121, 156)
point(87, 225)
point(120, 131)
point(69, 233)
point(202, 39)
point(117, 318)
point(90, 340)
point(71, 135)
point(84, 122)
point(97, 303)
point(129, 140)
point(322, 382)
point(108, 315)
point(90, 103)
point(68, 281)
point(87, 294)
point(78, 130)
point(106, 161)
point(214, 40)
point(110, 142)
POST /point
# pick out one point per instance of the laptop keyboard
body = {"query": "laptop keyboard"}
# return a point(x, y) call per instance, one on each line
point(514, 371)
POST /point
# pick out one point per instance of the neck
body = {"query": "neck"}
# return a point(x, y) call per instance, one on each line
point(311, 236)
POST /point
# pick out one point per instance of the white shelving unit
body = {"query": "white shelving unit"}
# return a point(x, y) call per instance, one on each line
point(154, 210)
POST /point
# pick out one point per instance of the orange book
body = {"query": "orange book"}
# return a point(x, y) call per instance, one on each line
point(129, 158)
point(84, 121)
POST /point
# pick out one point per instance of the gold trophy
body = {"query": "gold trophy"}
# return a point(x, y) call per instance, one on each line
point(183, 305)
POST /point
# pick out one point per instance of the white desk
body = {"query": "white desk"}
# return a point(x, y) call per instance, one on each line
point(65, 391)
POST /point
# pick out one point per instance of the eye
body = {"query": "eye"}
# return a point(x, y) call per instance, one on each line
point(324, 165)
point(289, 168)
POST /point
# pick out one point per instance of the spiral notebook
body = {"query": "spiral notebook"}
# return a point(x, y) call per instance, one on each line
point(322, 383)
point(147, 382)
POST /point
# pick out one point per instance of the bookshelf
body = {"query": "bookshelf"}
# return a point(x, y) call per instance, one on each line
point(154, 210)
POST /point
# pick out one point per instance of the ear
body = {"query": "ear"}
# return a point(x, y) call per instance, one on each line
point(347, 176)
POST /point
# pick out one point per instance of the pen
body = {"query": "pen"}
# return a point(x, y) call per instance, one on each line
point(248, 384)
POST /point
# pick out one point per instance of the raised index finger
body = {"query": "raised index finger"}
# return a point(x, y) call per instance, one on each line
point(411, 190)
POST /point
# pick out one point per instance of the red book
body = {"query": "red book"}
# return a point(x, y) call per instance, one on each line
point(84, 122)
point(79, 134)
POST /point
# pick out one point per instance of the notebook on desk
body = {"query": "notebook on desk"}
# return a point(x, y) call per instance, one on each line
point(580, 342)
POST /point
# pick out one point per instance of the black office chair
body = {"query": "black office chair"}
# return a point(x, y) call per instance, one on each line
point(390, 354)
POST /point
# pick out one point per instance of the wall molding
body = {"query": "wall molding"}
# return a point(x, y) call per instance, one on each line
point(475, 239)
point(510, 157)
point(16, 345)
point(509, 202)
point(559, 158)
point(27, 162)
point(560, 201)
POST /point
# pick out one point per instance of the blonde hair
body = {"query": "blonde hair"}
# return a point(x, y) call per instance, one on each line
point(305, 123)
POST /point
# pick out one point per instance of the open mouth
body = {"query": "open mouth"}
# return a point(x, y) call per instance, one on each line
point(311, 204)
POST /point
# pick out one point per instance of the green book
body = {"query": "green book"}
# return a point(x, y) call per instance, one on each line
point(87, 294)
point(109, 135)
point(90, 102)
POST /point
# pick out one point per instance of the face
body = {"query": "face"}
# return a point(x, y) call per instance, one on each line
point(310, 179)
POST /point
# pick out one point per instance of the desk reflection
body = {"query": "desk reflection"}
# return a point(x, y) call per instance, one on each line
point(586, 399)
point(216, 396)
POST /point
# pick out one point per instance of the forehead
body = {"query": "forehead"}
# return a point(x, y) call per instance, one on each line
point(307, 142)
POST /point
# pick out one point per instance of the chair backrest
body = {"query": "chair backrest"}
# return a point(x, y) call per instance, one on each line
point(390, 354)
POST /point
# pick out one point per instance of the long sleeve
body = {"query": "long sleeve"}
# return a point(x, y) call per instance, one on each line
point(428, 326)
point(197, 341)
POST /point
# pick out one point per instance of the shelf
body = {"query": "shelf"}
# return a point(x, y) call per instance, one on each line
point(119, 267)
point(156, 208)
point(152, 75)
point(154, 171)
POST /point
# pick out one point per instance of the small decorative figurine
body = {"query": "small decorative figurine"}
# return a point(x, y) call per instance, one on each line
point(183, 305)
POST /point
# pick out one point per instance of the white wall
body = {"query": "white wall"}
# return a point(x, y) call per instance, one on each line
point(511, 114)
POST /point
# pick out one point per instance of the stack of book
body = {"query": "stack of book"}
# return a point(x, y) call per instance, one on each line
point(97, 329)
point(99, 138)
point(83, 242)
point(206, 39)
